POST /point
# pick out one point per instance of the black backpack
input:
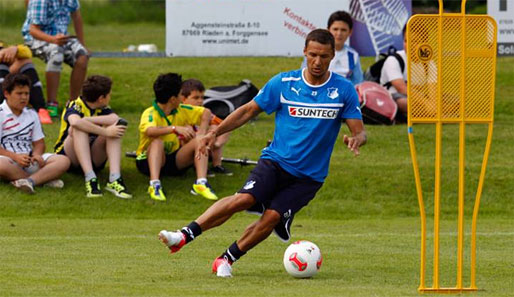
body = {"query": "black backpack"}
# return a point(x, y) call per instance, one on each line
point(373, 72)
point(224, 100)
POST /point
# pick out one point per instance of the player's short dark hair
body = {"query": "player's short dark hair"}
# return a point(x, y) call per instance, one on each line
point(96, 86)
point(190, 85)
point(166, 86)
point(322, 36)
point(12, 80)
point(342, 16)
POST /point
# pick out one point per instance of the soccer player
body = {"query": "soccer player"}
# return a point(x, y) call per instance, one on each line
point(309, 105)
point(192, 93)
point(346, 61)
point(45, 32)
point(161, 127)
point(90, 135)
point(17, 59)
point(22, 143)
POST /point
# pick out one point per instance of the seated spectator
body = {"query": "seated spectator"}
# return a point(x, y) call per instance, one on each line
point(90, 136)
point(192, 93)
point(17, 59)
point(159, 151)
point(22, 150)
point(346, 61)
point(394, 78)
point(45, 32)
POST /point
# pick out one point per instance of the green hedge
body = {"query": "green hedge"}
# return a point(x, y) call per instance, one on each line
point(97, 12)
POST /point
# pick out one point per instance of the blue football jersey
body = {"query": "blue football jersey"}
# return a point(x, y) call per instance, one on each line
point(307, 120)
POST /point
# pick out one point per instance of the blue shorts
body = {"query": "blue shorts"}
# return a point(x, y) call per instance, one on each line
point(274, 188)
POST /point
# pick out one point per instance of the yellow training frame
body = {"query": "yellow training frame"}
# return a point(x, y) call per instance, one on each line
point(451, 62)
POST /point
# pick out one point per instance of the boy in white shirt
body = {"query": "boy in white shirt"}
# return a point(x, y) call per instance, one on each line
point(346, 61)
point(22, 144)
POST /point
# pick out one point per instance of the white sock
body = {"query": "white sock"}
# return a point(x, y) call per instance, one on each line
point(114, 176)
point(201, 180)
point(155, 182)
point(90, 175)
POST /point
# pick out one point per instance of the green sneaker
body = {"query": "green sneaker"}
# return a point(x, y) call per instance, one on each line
point(53, 109)
point(119, 189)
point(93, 189)
point(204, 190)
point(156, 193)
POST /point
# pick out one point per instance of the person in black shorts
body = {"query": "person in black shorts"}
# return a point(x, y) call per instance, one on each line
point(310, 106)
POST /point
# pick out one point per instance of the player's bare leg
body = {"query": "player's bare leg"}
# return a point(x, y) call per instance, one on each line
point(214, 216)
point(258, 231)
point(253, 235)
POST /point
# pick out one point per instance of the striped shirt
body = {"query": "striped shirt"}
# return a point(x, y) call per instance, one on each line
point(17, 133)
point(52, 16)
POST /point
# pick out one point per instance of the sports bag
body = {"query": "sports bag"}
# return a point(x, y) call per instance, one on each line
point(374, 71)
point(223, 100)
point(377, 105)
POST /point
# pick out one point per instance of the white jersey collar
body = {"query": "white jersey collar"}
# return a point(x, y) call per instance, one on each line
point(316, 86)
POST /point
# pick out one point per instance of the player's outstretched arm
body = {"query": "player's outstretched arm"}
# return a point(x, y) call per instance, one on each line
point(358, 137)
point(235, 120)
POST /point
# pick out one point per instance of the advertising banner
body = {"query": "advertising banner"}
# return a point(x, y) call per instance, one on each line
point(244, 27)
point(503, 12)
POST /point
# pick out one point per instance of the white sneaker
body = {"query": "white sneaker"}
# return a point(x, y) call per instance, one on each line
point(222, 267)
point(174, 240)
point(56, 183)
point(24, 185)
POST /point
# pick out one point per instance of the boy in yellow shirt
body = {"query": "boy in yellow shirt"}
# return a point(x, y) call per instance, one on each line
point(161, 127)
point(192, 93)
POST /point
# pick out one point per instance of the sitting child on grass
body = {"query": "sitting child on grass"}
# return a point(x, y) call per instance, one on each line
point(192, 93)
point(90, 135)
point(22, 150)
point(160, 151)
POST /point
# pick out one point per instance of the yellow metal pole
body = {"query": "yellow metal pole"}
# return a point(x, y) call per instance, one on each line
point(417, 179)
point(438, 140)
point(421, 207)
point(437, 202)
point(460, 231)
point(477, 205)
point(462, 151)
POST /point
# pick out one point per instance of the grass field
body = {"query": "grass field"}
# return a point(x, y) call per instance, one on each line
point(365, 218)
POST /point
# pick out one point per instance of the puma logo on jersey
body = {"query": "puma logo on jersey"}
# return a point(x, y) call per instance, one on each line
point(310, 112)
point(296, 91)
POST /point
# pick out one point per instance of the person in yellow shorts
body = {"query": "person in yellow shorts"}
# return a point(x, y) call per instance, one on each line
point(161, 129)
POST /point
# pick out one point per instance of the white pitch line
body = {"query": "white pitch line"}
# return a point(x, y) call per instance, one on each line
point(318, 235)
